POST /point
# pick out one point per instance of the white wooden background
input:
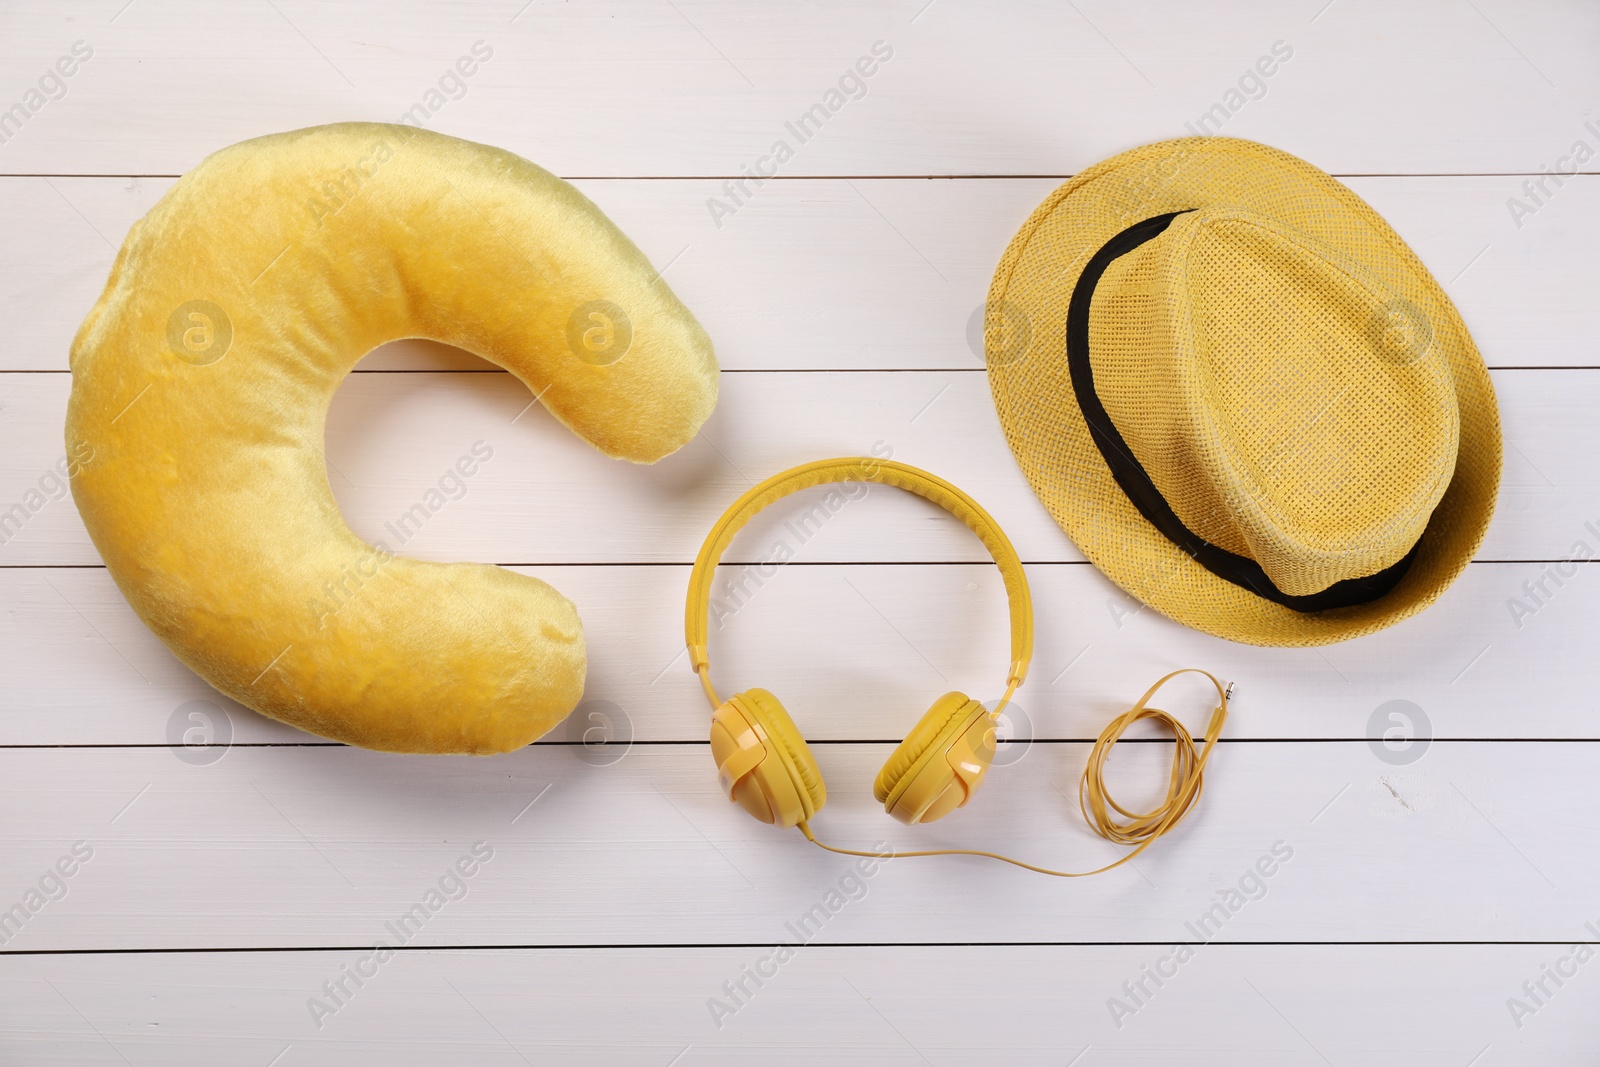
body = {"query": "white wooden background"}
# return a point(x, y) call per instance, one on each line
point(1424, 889)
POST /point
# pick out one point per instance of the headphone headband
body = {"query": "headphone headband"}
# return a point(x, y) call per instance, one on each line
point(864, 469)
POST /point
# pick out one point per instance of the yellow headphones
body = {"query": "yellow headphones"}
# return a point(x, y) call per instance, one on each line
point(764, 763)
point(766, 767)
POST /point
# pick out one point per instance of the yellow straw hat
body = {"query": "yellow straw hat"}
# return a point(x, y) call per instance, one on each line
point(1242, 395)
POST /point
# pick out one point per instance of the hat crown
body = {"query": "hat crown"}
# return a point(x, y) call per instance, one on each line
point(1288, 405)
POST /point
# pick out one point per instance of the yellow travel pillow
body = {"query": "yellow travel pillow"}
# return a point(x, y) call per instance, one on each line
point(202, 378)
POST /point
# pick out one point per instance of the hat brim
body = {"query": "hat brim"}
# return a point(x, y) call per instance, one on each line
point(1048, 435)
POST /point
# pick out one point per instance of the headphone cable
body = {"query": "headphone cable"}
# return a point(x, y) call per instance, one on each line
point(1184, 785)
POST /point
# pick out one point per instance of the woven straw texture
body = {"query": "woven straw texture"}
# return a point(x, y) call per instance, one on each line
point(1296, 384)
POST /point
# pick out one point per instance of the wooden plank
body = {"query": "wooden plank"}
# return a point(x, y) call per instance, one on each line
point(303, 852)
point(555, 500)
point(858, 652)
point(859, 274)
point(313, 846)
point(634, 88)
point(1226, 1005)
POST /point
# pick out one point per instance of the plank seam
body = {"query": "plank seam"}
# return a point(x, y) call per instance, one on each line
point(721, 945)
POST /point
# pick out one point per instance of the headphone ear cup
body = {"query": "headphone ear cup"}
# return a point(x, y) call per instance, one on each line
point(932, 726)
point(801, 764)
point(763, 762)
point(940, 764)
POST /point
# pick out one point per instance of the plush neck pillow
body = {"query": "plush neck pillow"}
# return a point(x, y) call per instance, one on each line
point(202, 378)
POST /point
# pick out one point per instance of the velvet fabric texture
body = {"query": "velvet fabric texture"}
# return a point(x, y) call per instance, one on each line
point(202, 379)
